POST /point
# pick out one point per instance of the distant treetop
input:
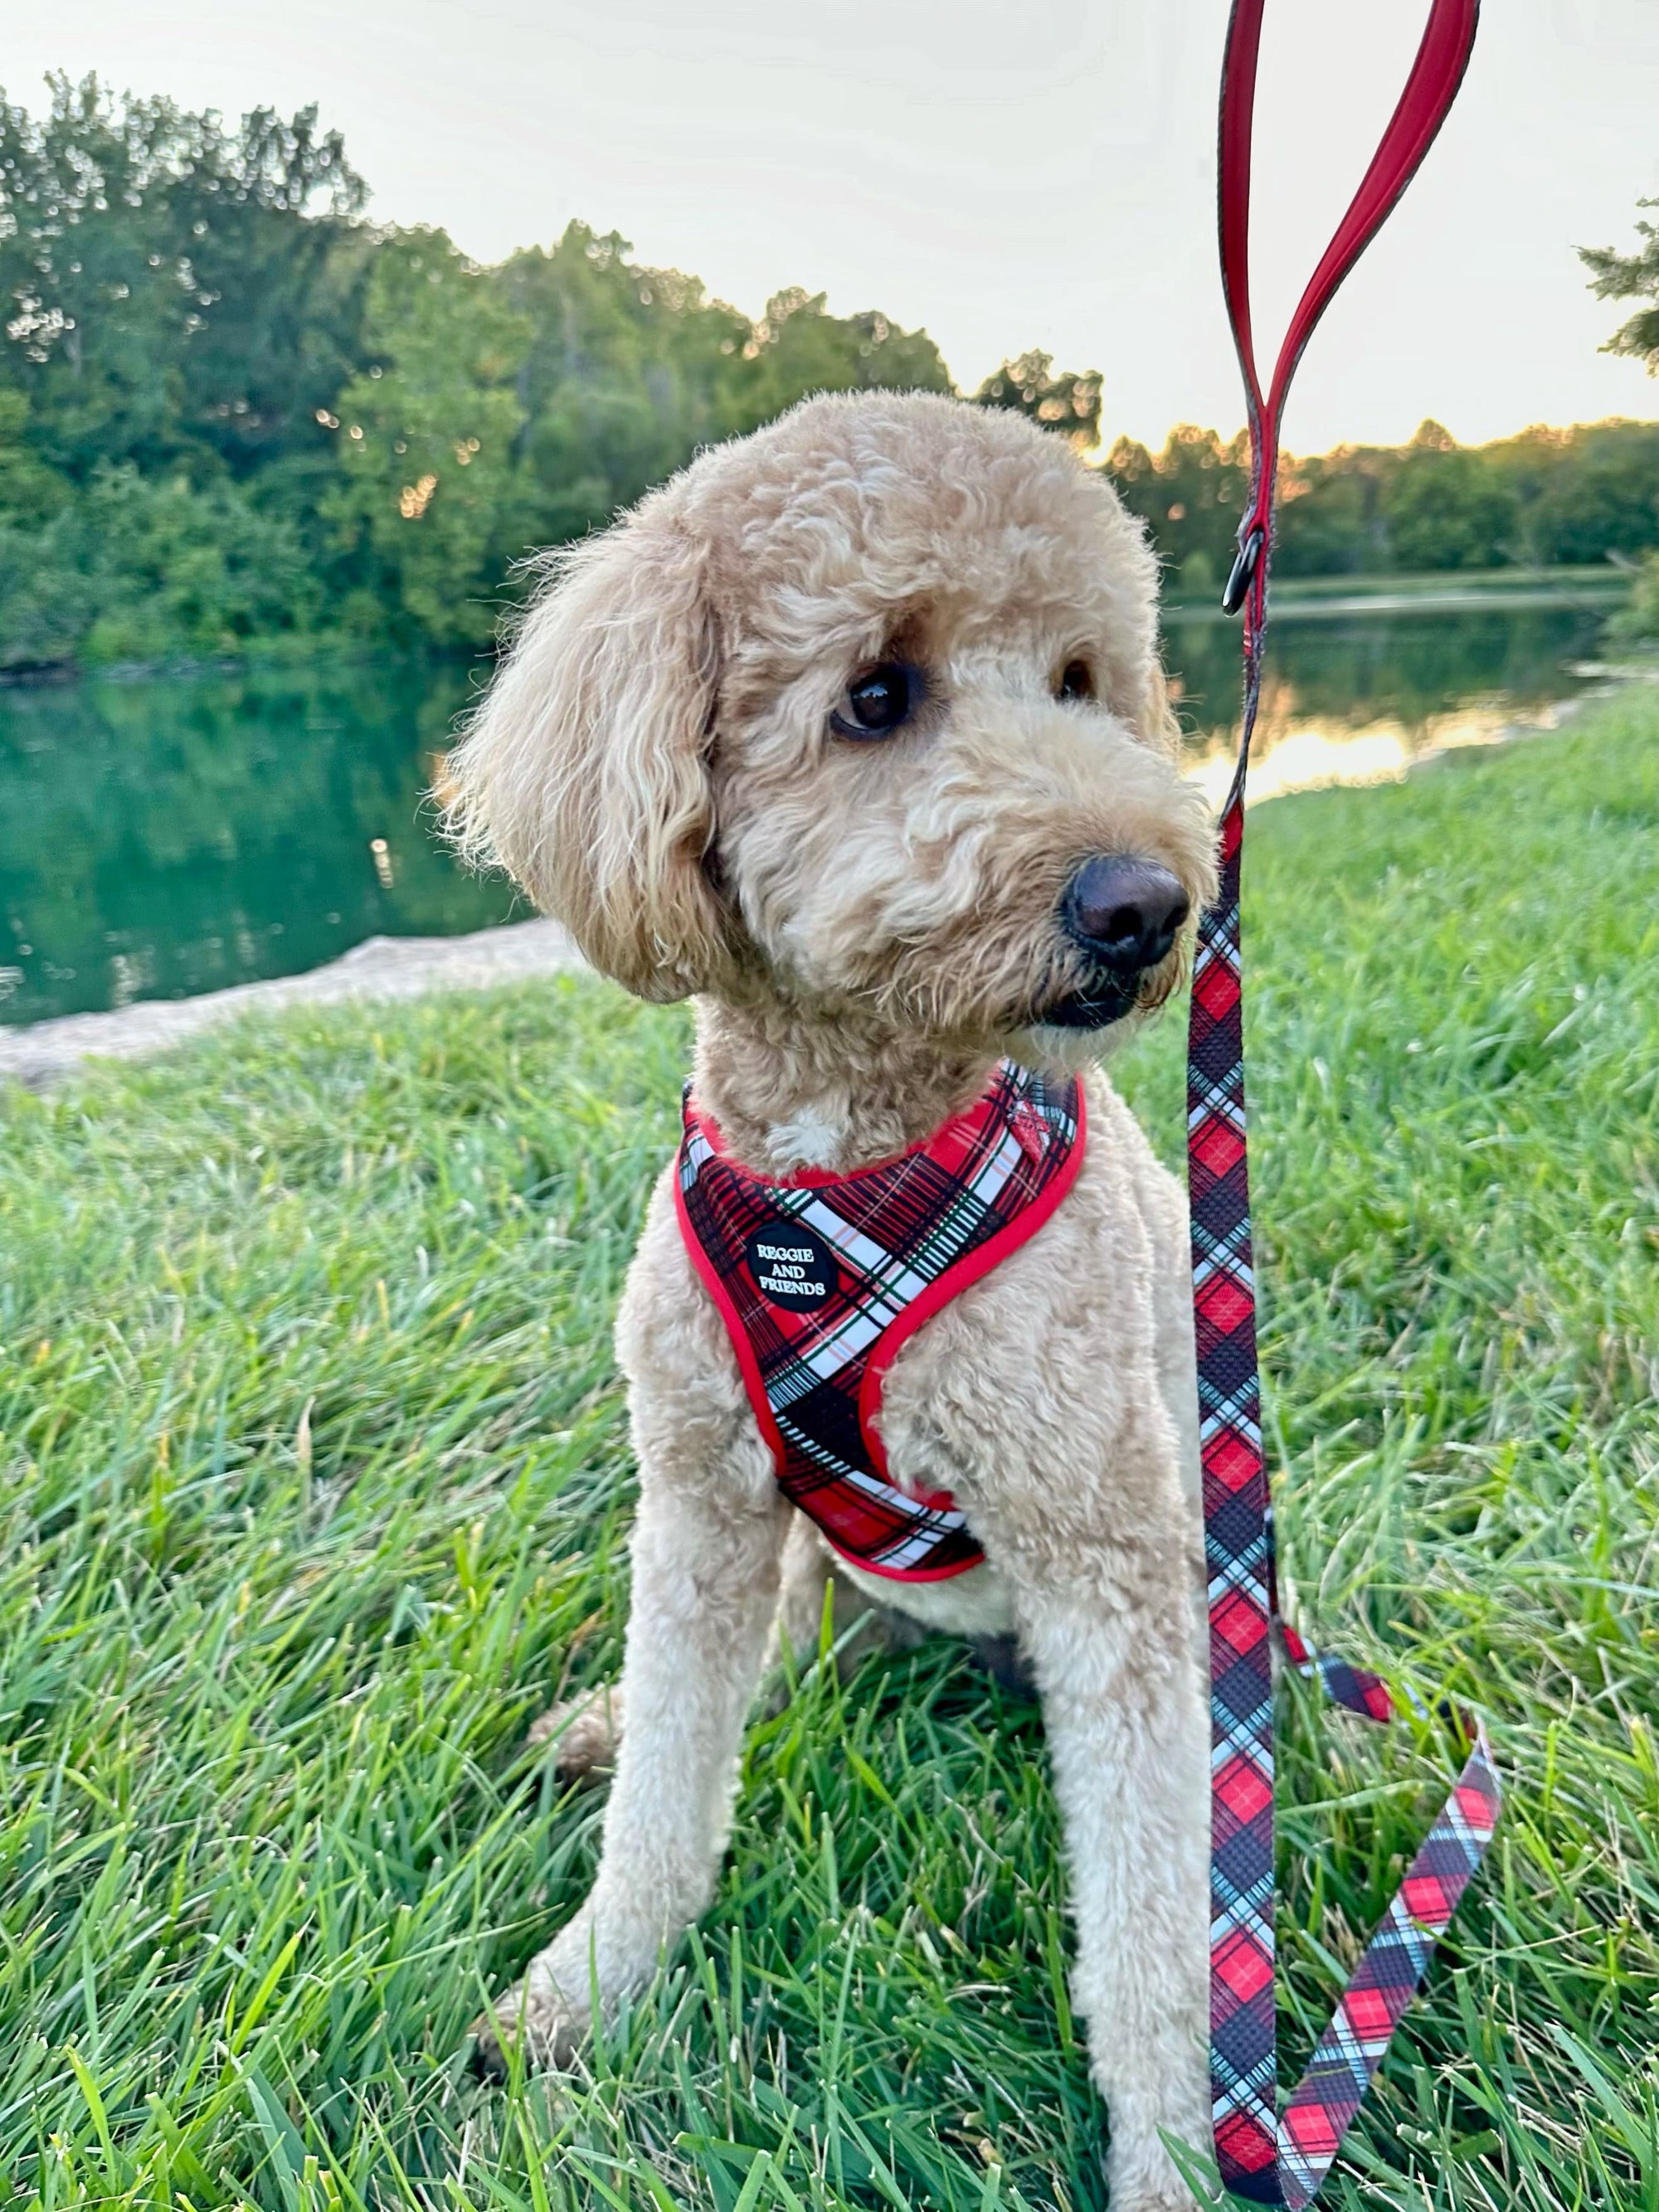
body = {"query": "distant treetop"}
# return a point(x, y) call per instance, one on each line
point(231, 405)
point(1615, 275)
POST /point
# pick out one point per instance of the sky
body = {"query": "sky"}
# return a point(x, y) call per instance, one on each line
point(1002, 177)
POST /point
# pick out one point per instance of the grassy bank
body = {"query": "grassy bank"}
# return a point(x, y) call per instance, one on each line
point(317, 1489)
point(1597, 581)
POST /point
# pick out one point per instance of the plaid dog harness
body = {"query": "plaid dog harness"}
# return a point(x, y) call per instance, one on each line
point(821, 1277)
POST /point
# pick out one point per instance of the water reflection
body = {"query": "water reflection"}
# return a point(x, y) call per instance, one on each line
point(170, 836)
point(1291, 752)
point(1356, 697)
point(174, 835)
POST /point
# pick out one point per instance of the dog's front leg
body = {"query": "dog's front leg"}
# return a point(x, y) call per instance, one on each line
point(705, 1561)
point(1127, 1738)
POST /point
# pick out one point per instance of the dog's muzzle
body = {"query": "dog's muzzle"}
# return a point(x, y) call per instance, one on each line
point(1123, 913)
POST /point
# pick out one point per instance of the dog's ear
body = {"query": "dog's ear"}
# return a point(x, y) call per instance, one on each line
point(585, 770)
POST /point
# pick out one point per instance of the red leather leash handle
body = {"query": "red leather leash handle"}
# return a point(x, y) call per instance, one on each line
point(1436, 75)
point(1262, 2156)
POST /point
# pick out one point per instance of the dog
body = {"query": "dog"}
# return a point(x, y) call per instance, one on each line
point(856, 732)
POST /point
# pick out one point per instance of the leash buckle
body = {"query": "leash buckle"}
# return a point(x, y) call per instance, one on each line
point(1238, 583)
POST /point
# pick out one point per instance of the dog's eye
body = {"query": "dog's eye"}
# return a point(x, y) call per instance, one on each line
point(1077, 681)
point(877, 702)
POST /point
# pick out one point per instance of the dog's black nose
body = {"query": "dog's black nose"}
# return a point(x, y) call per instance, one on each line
point(1124, 911)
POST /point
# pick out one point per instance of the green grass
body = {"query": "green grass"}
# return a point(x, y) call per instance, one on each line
point(317, 1488)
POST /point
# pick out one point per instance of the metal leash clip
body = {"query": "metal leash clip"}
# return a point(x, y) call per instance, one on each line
point(1243, 569)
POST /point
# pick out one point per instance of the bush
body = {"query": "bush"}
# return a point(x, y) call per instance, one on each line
point(143, 569)
point(1637, 622)
point(46, 602)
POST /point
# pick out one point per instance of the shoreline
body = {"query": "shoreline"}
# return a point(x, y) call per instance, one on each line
point(36, 1054)
point(1375, 591)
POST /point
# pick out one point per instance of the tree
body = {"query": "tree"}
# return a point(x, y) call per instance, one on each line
point(179, 290)
point(1068, 403)
point(427, 504)
point(232, 407)
point(30, 492)
point(268, 221)
point(1615, 275)
point(99, 304)
point(797, 347)
point(630, 369)
point(627, 372)
point(1582, 494)
point(1446, 507)
point(1330, 520)
point(1190, 496)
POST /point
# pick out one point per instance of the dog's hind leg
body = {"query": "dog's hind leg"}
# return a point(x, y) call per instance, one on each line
point(808, 1571)
point(705, 1558)
point(586, 1729)
point(858, 1623)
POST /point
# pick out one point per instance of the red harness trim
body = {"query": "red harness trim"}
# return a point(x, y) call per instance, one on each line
point(821, 1279)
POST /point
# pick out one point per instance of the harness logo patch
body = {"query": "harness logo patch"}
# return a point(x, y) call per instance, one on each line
point(792, 1268)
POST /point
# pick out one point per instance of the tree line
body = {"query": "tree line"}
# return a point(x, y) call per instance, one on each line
point(233, 411)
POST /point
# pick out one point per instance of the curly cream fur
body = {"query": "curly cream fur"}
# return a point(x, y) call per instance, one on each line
point(868, 926)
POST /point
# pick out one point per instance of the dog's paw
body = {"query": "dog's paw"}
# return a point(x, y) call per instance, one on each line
point(1141, 2193)
point(532, 2022)
point(586, 1731)
point(1141, 2174)
point(1132, 2187)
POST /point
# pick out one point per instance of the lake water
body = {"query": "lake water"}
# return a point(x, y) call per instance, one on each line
point(165, 836)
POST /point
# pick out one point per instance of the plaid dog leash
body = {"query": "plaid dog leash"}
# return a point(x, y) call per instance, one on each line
point(1263, 2157)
